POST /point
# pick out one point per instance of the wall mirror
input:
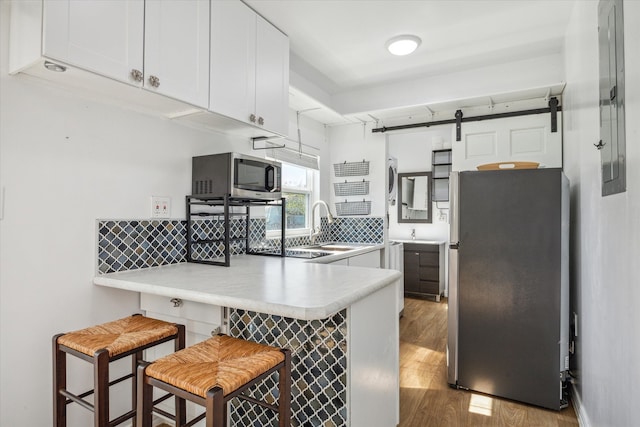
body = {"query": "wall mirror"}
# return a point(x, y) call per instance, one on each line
point(414, 197)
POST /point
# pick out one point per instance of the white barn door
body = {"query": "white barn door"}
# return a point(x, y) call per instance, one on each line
point(524, 138)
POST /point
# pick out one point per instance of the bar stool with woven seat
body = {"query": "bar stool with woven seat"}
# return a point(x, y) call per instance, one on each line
point(101, 345)
point(213, 372)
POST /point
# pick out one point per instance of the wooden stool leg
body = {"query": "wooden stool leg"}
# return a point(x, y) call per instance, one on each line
point(215, 408)
point(135, 361)
point(59, 383)
point(179, 342)
point(101, 388)
point(284, 391)
point(145, 397)
point(181, 411)
point(180, 405)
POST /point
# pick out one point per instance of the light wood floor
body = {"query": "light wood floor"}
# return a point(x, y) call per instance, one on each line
point(425, 397)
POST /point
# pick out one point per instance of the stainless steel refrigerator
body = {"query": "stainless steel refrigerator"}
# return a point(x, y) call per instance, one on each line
point(508, 319)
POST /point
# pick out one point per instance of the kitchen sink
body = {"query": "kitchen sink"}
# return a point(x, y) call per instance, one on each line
point(307, 254)
point(317, 251)
point(331, 248)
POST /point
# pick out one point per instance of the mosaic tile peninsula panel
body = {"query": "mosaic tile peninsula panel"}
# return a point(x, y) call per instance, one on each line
point(318, 365)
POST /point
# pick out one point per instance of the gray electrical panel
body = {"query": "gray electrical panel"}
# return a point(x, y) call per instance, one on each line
point(612, 98)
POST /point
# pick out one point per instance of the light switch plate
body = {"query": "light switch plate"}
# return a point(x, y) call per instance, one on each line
point(160, 207)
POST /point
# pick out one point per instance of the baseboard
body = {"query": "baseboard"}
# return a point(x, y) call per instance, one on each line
point(581, 414)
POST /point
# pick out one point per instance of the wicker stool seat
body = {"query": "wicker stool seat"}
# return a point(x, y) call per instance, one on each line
point(101, 345)
point(213, 372)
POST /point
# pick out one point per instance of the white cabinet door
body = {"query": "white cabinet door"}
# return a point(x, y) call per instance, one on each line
point(249, 67)
point(176, 51)
point(525, 138)
point(272, 78)
point(233, 60)
point(369, 259)
point(201, 320)
point(101, 36)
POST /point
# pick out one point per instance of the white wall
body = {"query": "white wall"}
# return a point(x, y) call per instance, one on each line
point(65, 161)
point(538, 72)
point(354, 143)
point(605, 246)
point(414, 153)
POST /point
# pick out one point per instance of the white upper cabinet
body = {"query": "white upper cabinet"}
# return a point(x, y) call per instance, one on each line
point(249, 67)
point(272, 77)
point(162, 46)
point(233, 60)
point(101, 36)
point(176, 49)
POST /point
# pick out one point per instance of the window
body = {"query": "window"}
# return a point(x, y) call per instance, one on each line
point(297, 188)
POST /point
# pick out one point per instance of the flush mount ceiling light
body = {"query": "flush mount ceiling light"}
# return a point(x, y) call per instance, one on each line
point(403, 45)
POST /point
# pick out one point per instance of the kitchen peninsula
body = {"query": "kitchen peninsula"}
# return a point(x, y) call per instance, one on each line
point(340, 322)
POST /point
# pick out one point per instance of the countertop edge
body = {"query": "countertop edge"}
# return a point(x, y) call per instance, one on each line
point(419, 242)
point(347, 254)
point(303, 313)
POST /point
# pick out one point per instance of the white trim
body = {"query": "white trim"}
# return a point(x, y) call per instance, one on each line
point(295, 157)
point(578, 407)
point(312, 178)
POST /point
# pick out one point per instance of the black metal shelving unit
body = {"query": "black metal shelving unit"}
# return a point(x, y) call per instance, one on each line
point(441, 168)
point(227, 202)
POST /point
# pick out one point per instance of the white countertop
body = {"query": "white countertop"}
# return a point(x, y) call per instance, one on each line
point(282, 286)
point(359, 249)
point(424, 242)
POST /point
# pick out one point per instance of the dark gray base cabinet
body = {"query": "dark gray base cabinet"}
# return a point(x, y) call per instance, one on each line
point(423, 270)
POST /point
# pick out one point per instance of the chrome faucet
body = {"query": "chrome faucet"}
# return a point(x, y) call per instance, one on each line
point(315, 230)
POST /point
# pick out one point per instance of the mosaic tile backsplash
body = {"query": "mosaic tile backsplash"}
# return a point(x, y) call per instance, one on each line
point(128, 245)
point(319, 369)
point(358, 230)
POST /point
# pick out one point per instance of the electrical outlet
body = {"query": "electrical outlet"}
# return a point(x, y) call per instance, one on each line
point(160, 207)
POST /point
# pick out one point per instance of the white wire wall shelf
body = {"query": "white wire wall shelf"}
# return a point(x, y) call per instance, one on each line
point(351, 168)
point(353, 188)
point(353, 208)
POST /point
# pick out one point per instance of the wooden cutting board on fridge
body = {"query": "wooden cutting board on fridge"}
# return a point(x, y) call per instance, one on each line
point(508, 166)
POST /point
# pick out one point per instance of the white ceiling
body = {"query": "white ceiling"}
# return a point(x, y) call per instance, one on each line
point(343, 41)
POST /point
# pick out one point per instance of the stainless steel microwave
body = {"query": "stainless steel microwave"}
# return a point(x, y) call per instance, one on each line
point(236, 175)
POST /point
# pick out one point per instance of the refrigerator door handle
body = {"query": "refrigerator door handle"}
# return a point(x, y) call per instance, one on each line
point(452, 310)
point(452, 319)
point(454, 207)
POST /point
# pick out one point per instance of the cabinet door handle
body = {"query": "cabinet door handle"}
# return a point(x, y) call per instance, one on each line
point(260, 121)
point(154, 81)
point(136, 75)
point(252, 118)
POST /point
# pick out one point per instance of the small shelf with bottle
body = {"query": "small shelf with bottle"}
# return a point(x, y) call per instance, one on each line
point(441, 167)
